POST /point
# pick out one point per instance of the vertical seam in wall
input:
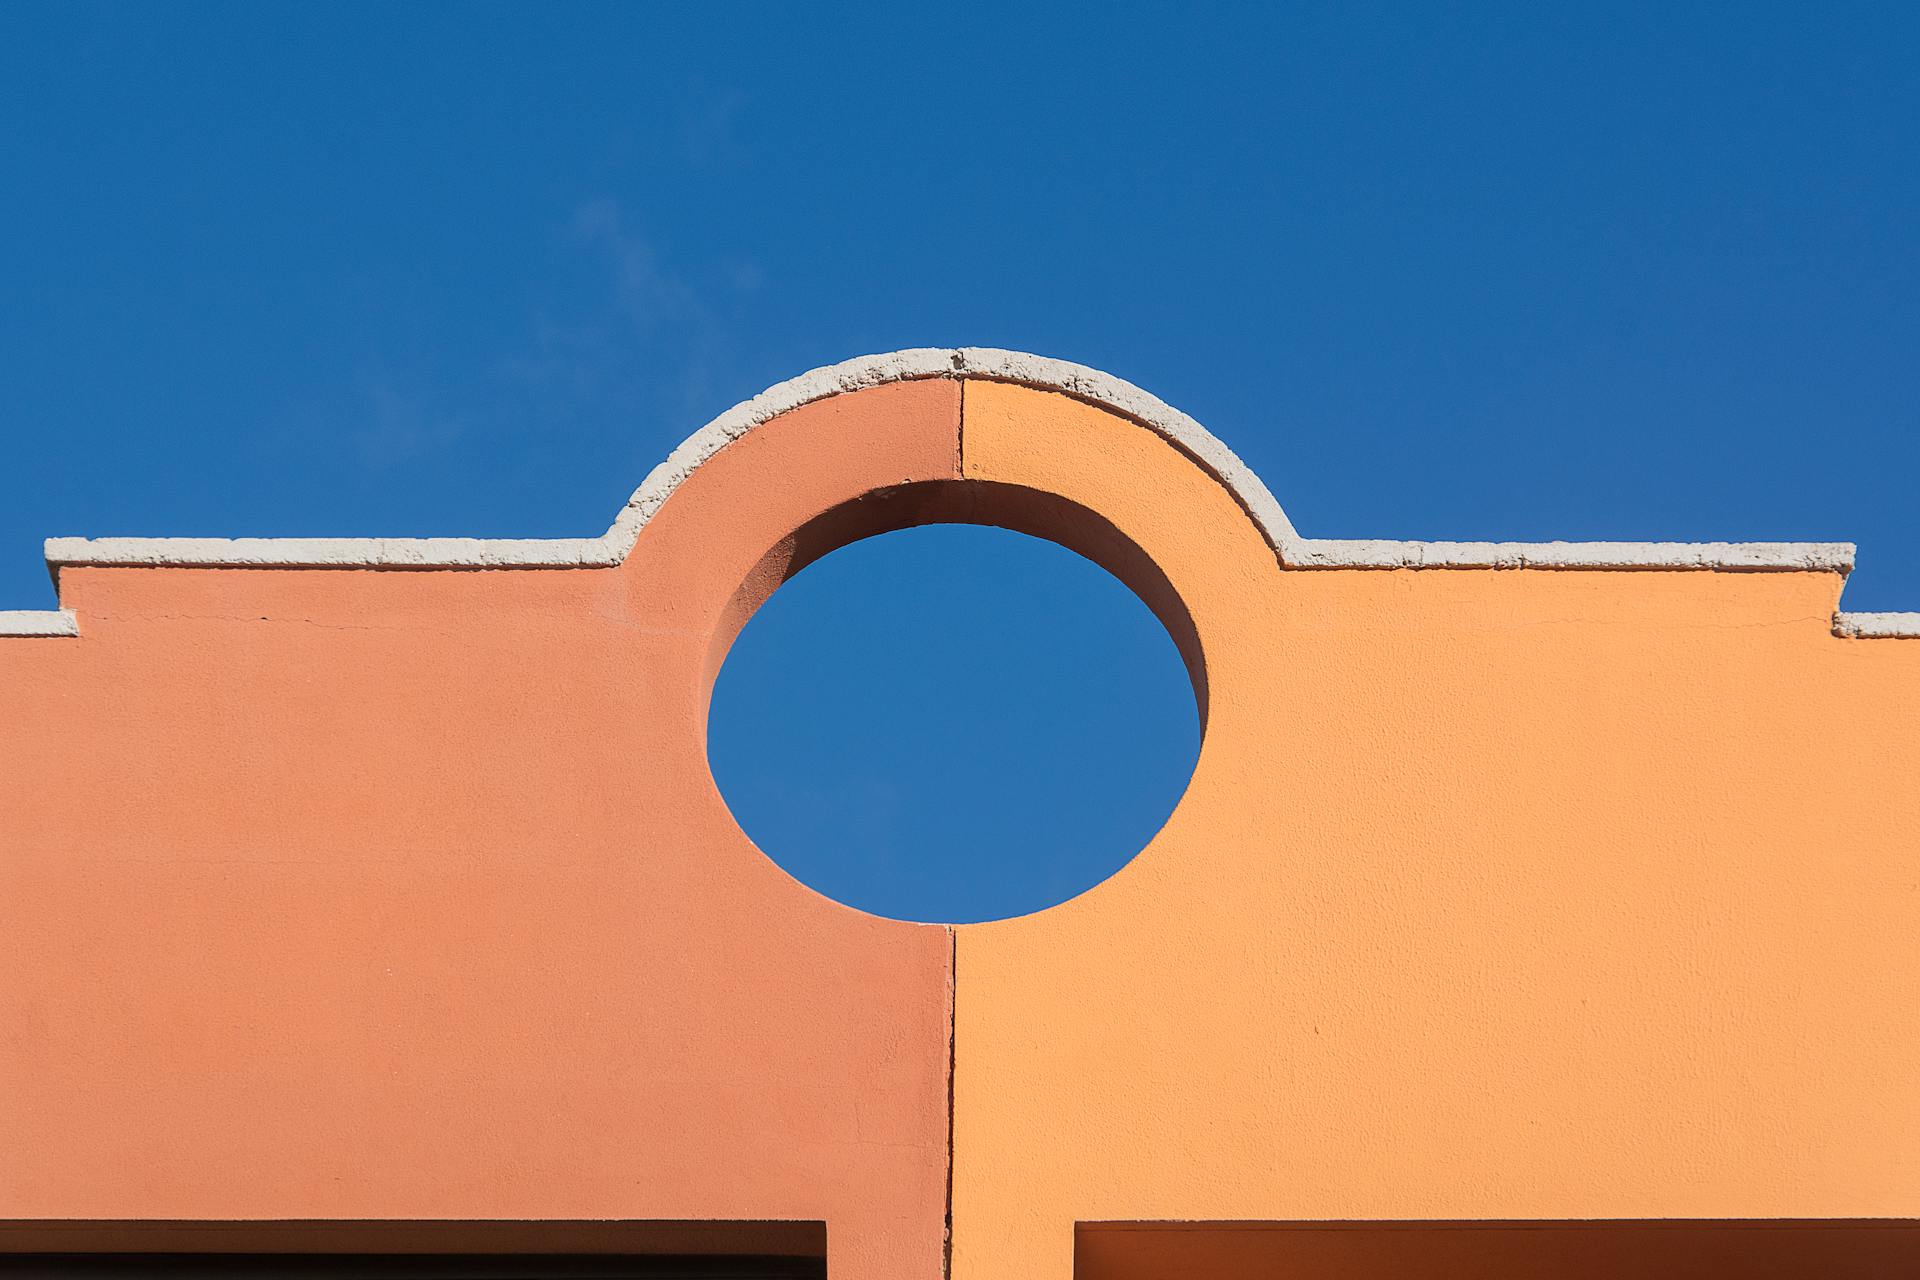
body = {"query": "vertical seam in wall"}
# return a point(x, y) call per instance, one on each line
point(960, 436)
point(953, 1035)
point(953, 934)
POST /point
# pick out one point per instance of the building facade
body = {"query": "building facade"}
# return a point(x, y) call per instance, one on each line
point(1532, 909)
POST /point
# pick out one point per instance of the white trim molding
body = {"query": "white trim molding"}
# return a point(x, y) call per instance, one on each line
point(1079, 381)
point(38, 622)
point(1816, 557)
point(1877, 626)
point(332, 553)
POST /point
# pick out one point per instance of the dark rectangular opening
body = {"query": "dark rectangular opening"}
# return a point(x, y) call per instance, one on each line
point(1651, 1249)
point(387, 1250)
point(401, 1266)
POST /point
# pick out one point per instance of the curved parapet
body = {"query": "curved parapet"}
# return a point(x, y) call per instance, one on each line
point(1079, 381)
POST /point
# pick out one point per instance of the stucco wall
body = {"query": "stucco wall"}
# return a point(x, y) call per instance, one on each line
point(1495, 894)
point(331, 893)
point(386, 879)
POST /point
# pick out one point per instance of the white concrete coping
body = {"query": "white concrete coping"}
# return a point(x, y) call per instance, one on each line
point(334, 553)
point(38, 622)
point(1118, 395)
point(1877, 626)
point(1817, 557)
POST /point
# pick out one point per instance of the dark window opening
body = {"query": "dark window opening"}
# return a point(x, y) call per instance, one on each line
point(392, 1250)
point(1656, 1249)
point(401, 1266)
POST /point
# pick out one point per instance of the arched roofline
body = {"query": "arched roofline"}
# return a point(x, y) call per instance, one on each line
point(1079, 381)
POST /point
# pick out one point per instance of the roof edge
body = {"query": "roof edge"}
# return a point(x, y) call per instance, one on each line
point(38, 622)
point(1807, 557)
point(994, 364)
point(1877, 626)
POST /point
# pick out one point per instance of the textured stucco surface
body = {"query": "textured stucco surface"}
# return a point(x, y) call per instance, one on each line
point(1530, 889)
point(361, 894)
point(1501, 895)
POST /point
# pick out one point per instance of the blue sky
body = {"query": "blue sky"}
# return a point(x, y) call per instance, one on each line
point(1495, 271)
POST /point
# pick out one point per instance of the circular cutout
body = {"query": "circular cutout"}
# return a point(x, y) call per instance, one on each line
point(953, 723)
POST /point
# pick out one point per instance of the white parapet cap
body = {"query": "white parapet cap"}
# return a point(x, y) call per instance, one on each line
point(334, 553)
point(1327, 553)
point(1079, 381)
point(38, 622)
point(1877, 626)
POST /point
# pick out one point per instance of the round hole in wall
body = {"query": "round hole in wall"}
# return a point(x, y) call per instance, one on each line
point(954, 723)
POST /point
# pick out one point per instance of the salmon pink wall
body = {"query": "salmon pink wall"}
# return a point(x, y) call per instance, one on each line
point(337, 893)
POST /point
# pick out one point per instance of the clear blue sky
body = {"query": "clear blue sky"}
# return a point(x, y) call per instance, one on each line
point(1497, 271)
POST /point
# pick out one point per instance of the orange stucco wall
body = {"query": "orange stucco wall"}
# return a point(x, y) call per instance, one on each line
point(1496, 894)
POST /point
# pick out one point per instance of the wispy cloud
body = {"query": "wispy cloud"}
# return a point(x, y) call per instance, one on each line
point(646, 294)
point(401, 426)
point(625, 337)
point(707, 136)
point(647, 338)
